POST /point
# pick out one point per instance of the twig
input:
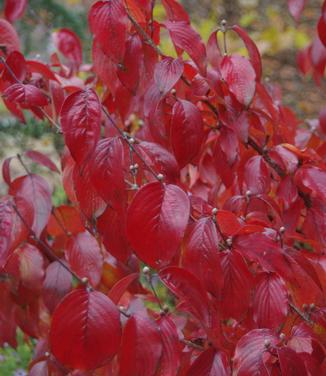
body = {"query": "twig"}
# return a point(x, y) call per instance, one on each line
point(251, 142)
point(12, 74)
point(300, 313)
point(131, 146)
point(19, 157)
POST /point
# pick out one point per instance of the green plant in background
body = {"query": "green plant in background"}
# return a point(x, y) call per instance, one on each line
point(42, 17)
point(14, 362)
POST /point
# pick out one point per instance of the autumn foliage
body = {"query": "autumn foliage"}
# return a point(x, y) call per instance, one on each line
point(193, 237)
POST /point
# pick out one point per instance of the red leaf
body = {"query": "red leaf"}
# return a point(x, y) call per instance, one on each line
point(36, 66)
point(158, 215)
point(38, 192)
point(121, 287)
point(167, 73)
point(141, 347)
point(240, 76)
point(17, 65)
point(270, 302)
point(6, 170)
point(57, 283)
point(80, 120)
point(257, 175)
point(210, 363)
point(90, 203)
point(171, 353)
point(112, 226)
point(160, 160)
point(64, 219)
point(185, 38)
point(250, 355)
point(189, 289)
point(295, 8)
point(253, 51)
point(12, 230)
point(68, 43)
point(108, 22)
point(14, 9)
point(175, 11)
point(129, 70)
point(108, 164)
point(84, 257)
point(312, 180)
point(228, 222)
point(291, 363)
point(8, 37)
point(85, 330)
point(26, 264)
point(235, 294)
point(321, 27)
point(201, 255)
point(42, 159)
point(187, 133)
point(26, 95)
point(257, 247)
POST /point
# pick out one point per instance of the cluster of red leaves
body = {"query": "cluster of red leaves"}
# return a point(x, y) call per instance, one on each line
point(312, 59)
point(189, 166)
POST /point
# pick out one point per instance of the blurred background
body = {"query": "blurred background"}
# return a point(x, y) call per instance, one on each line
point(269, 23)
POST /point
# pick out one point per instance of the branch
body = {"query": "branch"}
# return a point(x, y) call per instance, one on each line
point(276, 167)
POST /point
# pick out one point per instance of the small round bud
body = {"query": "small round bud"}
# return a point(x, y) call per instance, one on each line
point(267, 343)
point(229, 241)
point(248, 193)
point(160, 177)
point(312, 306)
point(165, 310)
point(131, 140)
point(84, 280)
point(214, 211)
point(47, 354)
point(133, 167)
point(146, 270)
point(282, 336)
point(282, 230)
point(173, 91)
point(223, 23)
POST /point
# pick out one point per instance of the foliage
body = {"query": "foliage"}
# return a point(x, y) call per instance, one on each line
point(15, 360)
point(190, 237)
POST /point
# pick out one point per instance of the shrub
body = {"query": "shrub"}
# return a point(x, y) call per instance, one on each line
point(192, 239)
